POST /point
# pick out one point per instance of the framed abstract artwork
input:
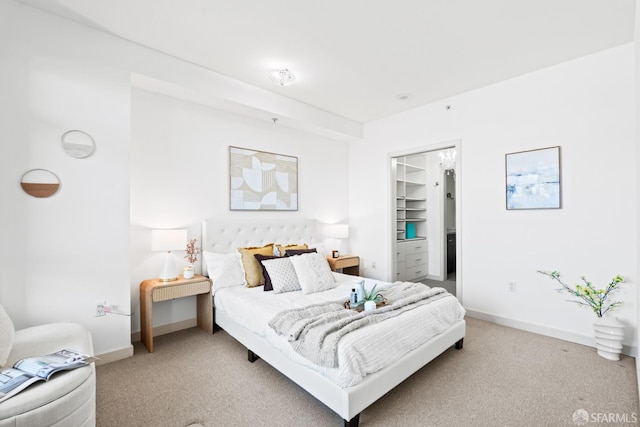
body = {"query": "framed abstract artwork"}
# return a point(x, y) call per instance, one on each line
point(262, 181)
point(533, 179)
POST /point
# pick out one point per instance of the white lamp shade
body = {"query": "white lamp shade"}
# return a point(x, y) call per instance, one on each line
point(168, 240)
point(338, 231)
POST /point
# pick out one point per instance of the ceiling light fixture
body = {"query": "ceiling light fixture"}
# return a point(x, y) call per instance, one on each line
point(448, 161)
point(282, 77)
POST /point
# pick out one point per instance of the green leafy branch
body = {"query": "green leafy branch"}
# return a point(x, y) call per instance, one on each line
point(588, 295)
point(369, 296)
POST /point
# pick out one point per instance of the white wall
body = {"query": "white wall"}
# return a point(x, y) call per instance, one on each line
point(180, 170)
point(435, 219)
point(60, 256)
point(587, 107)
point(637, 69)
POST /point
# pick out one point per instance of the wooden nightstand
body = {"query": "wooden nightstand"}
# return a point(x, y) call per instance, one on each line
point(155, 290)
point(348, 263)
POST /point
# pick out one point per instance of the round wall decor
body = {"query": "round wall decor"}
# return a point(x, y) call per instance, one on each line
point(78, 144)
point(40, 183)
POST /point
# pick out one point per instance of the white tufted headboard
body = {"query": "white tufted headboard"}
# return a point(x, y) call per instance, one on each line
point(225, 235)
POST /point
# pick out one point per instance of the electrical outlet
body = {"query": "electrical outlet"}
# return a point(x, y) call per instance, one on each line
point(100, 310)
point(373, 265)
point(511, 287)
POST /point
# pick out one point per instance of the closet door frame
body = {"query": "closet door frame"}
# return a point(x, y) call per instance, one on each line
point(457, 144)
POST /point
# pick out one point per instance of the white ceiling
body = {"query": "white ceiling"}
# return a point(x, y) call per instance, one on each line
point(353, 57)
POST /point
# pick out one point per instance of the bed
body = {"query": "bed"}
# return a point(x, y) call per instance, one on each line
point(346, 388)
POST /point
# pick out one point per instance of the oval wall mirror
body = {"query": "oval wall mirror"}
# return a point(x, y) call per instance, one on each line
point(40, 183)
point(78, 144)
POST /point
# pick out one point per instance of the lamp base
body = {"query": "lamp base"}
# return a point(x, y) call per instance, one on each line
point(169, 271)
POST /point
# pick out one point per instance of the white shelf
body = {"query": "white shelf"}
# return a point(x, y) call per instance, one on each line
point(410, 196)
point(411, 240)
point(409, 167)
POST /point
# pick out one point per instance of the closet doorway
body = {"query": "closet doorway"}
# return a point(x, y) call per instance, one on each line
point(425, 216)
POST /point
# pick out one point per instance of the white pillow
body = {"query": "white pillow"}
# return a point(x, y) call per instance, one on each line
point(319, 247)
point(225, 270)
point(7, 333)
point(313, 272)
point(282, 274)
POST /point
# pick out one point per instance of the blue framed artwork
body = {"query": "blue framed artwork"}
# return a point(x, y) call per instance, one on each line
point(533, 179)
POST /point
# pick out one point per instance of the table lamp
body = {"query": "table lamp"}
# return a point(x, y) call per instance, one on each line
point(337, 231)
point(168, 240)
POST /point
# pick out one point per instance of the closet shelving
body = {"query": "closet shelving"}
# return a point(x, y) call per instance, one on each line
point(411, 202)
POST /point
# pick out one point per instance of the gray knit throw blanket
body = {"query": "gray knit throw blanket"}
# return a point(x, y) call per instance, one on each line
point(314, 331)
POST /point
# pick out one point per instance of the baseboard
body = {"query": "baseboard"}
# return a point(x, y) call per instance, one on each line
point(638, 371)
point(126, 352)
point(631, 351)
point(114, 356)
point(168, 328)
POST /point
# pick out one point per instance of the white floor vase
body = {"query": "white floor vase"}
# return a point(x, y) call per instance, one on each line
point(609, 334)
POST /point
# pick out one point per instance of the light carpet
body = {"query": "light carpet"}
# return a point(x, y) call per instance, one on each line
point(502, 377)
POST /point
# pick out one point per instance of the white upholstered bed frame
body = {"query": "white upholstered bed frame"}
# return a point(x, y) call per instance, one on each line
point(226, 235)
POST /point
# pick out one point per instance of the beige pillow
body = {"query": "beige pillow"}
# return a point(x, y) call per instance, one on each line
point(251, 266)
point(7, 332)
point(281, 249)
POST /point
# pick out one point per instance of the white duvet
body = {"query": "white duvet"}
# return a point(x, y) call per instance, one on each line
point(361, 352)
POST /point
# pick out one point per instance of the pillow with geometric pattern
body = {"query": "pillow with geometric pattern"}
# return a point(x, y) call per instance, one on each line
point(283, 275)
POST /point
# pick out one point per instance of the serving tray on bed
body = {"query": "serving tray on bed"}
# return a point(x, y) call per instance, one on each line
point(347, 305)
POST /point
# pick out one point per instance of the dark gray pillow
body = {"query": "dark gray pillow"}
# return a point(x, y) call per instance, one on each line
point(294, 252)
point(267, 280)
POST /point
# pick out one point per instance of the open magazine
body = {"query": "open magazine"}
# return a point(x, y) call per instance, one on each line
point(32, 369)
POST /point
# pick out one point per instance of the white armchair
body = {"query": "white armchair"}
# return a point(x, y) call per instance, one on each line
point(68, 398)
